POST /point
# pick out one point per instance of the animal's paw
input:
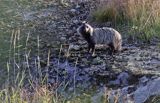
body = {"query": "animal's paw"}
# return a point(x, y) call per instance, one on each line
point(93, 54)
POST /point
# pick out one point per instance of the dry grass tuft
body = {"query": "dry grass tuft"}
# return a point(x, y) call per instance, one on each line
point(144, 15)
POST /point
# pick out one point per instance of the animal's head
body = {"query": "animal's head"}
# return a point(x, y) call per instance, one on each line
point(85, 29)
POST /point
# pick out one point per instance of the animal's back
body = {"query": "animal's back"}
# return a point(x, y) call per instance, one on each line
point(104, 35)
point(107, 36)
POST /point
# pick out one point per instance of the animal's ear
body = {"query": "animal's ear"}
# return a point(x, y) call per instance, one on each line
point(84, 22)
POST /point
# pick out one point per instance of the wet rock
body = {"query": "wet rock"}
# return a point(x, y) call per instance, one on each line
point(51, 80)
point(73, 12)
point(81, 42)
point(122, 79)
point(137, 93)
point(63, 38)
point(75, 21)
point(97, 61)
point(74, 47)
point(144, 92)
point(84, 60)
point(143, 80)
point(78, 6)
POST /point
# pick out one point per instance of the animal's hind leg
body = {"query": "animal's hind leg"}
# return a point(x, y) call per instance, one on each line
point(112, 49)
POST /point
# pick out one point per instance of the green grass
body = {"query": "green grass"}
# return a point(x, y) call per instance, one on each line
point(5, 26)
point(11, 20)
point(13, 32)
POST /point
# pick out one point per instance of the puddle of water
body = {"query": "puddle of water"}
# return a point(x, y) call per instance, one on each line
point(71, 74)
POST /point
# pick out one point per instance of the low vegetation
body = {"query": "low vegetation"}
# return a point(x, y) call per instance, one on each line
point(142, 16)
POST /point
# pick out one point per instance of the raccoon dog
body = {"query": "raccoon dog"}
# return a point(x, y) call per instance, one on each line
point(105, 36)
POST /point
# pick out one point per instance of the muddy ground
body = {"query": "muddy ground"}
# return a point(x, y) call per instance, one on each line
point(63, 53)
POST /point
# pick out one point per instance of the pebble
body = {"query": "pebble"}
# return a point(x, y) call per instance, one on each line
point(74, 47)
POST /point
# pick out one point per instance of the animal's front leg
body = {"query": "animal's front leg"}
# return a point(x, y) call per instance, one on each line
point(93, 49)
point(89, 48)
point(112, 49)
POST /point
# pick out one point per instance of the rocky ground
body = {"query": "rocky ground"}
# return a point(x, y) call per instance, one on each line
point(55, 28)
